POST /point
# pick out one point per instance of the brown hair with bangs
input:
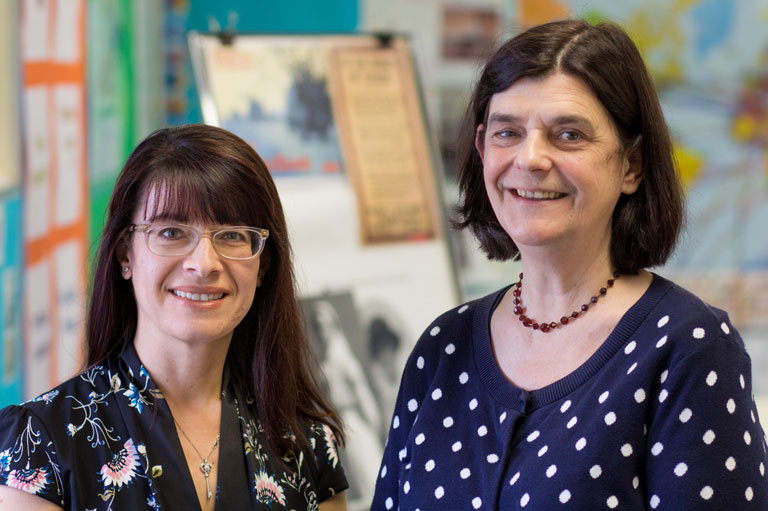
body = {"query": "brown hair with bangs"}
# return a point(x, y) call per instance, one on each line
point(203, 173)
point(646, 224)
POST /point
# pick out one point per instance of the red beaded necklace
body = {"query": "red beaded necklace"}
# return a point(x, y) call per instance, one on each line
point(546, 327)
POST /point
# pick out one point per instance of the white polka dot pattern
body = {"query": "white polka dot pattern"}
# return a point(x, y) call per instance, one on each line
point(672, 400)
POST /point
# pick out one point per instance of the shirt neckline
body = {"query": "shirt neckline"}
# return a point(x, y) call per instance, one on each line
point(524, 401)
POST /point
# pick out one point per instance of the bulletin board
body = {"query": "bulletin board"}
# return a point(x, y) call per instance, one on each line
point(55, 190)
point(10, 210)
point(339, 121)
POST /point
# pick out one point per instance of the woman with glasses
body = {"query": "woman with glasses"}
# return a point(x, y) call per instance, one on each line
point(198, 392)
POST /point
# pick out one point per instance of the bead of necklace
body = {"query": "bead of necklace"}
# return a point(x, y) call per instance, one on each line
point(205, 466)
point(529, 322)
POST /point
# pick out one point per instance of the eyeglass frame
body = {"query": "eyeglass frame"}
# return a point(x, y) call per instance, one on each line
point(264, 233)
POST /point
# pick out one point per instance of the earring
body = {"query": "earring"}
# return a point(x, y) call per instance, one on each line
point(125, 269)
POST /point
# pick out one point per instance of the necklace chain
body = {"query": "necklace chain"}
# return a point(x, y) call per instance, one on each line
point(529, 322)
point(205, 466)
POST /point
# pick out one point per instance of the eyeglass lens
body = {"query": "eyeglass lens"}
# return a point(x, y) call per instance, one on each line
point(172, 240)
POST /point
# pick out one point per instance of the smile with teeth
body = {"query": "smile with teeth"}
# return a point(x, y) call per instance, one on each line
point(198, 297)
point(526, 194)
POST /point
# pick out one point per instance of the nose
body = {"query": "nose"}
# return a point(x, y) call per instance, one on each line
point(203, 260)
point(533, 152)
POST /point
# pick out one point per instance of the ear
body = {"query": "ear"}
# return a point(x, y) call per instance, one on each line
point(633, 171)
point(480, 141)
point(124, 255)
point(263, 266)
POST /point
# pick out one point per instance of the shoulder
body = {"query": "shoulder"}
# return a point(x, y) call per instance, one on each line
point(53, 409)
point(682, 313)
point(455, 326)
point(447, 347)
point(327, 472)
point(681, 324)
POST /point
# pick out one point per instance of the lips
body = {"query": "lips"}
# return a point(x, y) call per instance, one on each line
point(198, 297)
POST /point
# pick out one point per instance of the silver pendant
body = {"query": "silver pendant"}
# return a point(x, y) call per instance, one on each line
point(206, 469)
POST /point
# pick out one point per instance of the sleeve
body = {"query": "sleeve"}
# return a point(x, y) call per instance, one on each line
point(330, 478)
point(28, 459)
point(414, 385)
point(707, 449)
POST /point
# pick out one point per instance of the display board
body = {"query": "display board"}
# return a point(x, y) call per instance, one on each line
point(10, 210)
point(55, 194)
point(339, 122)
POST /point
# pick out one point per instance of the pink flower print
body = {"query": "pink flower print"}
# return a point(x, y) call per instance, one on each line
point(122, 468)
point(267, 489)
point(330, 446)
point(30, 480)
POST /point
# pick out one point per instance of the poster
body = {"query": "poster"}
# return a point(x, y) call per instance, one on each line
point(384, 140)
point(357, 377)
point(55, 193)
point(11, 390)
point(10, 210)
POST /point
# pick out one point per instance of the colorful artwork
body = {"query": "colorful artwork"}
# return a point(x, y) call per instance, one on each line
point(274, 93)
point(55, 192)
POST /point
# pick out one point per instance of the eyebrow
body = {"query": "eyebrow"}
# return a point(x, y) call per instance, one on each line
point(166, 217)
point(562, 119)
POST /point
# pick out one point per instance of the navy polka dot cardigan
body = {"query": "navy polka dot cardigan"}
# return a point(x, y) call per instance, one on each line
point(660, 417)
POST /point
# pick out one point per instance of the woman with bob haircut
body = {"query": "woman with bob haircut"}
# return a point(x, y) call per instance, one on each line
point(590, 382)
point(199, 392)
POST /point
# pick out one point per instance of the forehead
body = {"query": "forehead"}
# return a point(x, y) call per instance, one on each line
point(169, 203)
point(556, 96)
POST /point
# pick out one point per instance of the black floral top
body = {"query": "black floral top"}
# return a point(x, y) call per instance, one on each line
point(106, 440)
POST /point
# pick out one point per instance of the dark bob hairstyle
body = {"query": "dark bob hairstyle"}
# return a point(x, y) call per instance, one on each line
point(207, 174)
point(646, 224)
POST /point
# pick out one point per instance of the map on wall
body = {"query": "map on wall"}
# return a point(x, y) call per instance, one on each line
point(709, 59)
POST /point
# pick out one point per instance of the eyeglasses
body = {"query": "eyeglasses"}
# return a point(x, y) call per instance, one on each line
point(177, 240)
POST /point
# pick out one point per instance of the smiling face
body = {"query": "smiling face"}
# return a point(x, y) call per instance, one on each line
point(199, 297)
point(552, 163)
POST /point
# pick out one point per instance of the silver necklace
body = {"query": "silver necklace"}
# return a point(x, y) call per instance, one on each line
point(205, 466)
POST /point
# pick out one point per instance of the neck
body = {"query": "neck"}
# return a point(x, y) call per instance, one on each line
point(555, 284)
point(189, 373)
